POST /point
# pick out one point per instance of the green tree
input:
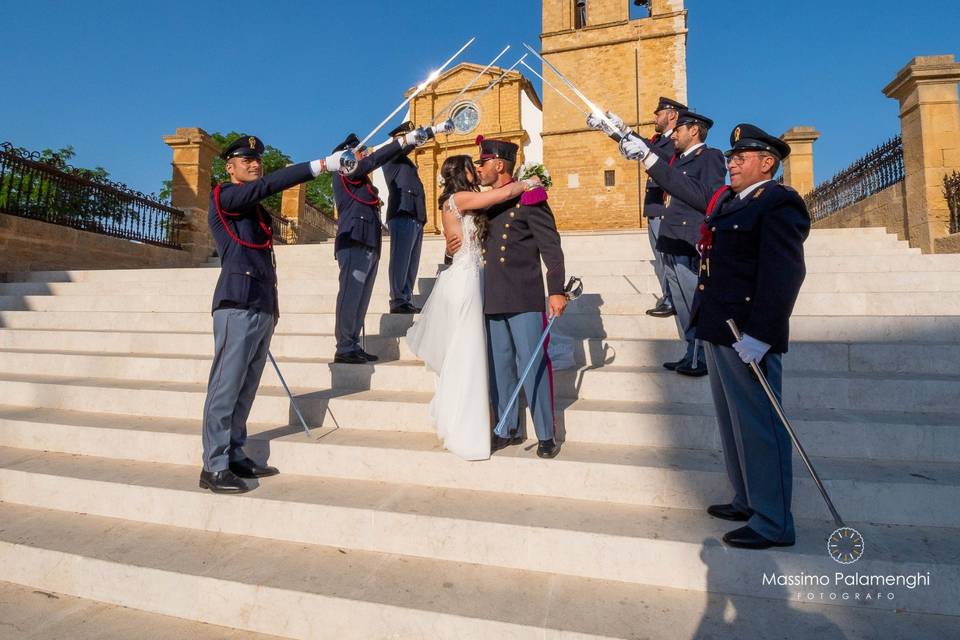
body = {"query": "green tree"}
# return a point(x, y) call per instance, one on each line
point(319, 191)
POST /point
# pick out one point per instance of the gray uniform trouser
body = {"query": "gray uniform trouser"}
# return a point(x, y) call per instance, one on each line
point(406, 238)
point(756, 447)
point(241, 340)
point(358, 271)
point(682, 274)
point(653, 233)
point(511, 339)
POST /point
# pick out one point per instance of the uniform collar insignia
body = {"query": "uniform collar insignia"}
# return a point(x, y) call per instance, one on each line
point(757, 193)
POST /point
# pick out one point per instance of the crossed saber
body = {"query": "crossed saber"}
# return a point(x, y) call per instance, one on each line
point(423, 85)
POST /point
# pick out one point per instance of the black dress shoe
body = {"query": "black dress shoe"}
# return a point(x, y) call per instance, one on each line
point(747, 538)
point(224, 481)
point(247, 468)
point(369, 357)
point(355, 357)
point(694, 372)
point(548, 449)
point(405, 308)
point(672, 366)
point(497, 443)
point(727, 512)
point(664, 311)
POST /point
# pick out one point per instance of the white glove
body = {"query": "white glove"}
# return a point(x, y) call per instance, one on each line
point(617, 123)
point(750, 349)
point(418, 137)
point(594, 122)
point(633, 147)
point(445, 127)
point(330, 164)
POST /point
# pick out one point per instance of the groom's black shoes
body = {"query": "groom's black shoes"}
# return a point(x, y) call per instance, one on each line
point(548, 448)
point(497, 443)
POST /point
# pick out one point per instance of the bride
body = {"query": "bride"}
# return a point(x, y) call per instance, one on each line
point(450, 336)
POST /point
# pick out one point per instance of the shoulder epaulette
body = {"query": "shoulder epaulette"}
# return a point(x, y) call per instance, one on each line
point(533, 197)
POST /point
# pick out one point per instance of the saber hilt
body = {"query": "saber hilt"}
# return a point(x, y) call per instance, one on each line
point(786, 423)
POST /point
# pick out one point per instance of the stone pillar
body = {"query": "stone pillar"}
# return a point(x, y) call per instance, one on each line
point(193, 154)
point(798, 167)
point(293, 204)
point(930, 126)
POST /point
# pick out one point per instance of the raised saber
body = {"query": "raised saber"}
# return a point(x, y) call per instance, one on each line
point(469, 84)
point(423, 85)
point(290, 395)
point(793, 434)
point(497, 81)
point(559, 93)
point(594, 109)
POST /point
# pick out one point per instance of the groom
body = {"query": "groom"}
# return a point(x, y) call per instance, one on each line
point(521, 232)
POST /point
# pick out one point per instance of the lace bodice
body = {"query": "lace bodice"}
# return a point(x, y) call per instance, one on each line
point(469, 254)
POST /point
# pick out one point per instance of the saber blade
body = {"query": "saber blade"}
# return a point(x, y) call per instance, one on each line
point(793, 434)
point(594, 109)
point(502, 76)
point(470, 84)
point(423, 85)
point(559, 93)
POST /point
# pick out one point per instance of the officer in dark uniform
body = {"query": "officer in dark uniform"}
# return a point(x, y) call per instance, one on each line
point(751, 270)
point(245, 307)
point(406, 215)
point(680, 228)
point(665, 120)
point(358, 241)
point(521, 232)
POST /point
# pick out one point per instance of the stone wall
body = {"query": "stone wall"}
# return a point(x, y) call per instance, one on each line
point(625, 65)
point(948, 244)
point(885, 208)
point(31, 245)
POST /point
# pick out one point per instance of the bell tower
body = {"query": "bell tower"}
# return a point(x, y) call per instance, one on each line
point(623, 54)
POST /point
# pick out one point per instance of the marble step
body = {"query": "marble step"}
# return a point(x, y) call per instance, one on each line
point(652, 546)
point(881, 435)
point(828, 328)
point(865, 357)
point(948, 281)
point(889, 492)
point(31, 614)
point(308, 591)
point(821, 390)
point(590, 304)
point(584, 266)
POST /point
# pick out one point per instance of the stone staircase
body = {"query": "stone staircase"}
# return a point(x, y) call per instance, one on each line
point(373, 531)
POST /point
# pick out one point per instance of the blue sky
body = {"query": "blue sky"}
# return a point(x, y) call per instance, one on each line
point(112, 77)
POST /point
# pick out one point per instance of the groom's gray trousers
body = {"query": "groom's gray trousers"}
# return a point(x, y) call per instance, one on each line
point(511, 341)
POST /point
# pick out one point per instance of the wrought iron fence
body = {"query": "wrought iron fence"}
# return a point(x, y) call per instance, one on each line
point(49, 190)
point(951, 191)
point(874, 172)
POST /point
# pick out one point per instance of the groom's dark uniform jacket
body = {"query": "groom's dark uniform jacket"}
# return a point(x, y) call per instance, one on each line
point(521, 232)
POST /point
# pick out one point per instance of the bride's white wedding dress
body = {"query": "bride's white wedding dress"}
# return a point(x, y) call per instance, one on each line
point(450, 337)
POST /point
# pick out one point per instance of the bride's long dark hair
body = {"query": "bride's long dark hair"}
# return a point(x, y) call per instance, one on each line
point(454, 172)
